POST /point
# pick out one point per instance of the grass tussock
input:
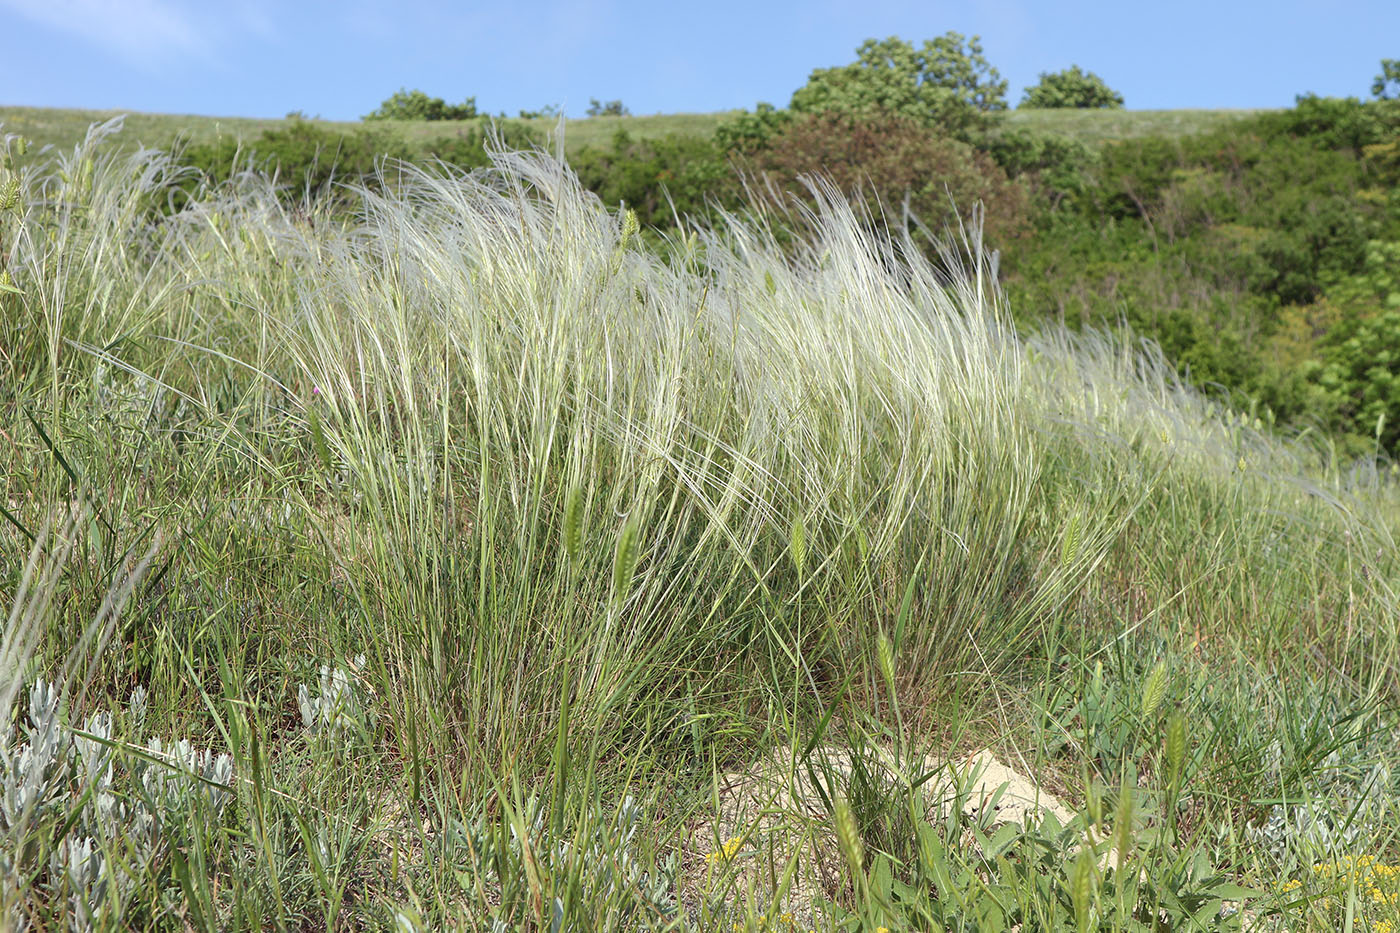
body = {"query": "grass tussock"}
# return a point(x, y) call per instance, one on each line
point(427, 562)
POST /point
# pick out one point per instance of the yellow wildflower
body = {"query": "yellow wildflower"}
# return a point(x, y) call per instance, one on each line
point(726, 851)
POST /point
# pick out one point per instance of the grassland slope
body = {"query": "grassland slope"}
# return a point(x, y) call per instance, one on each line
point(428, 564)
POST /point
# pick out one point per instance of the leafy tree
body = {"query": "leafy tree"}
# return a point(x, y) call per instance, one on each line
point(1360, 373)
point(548, 111)
point(416, 105)
point(1071, 88)
point(1387, 83)
point(611, 108)
point(946, 83)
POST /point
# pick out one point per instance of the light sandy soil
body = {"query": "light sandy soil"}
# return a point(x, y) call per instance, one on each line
point(777, 810)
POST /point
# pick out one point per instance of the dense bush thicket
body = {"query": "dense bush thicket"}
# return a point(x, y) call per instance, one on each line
point(308, 159)
point(663, 180)
point(1263, 258)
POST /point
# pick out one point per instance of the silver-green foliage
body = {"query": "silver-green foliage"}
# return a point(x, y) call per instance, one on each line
point(88, 813)
point(337, 707)
point(596, 864)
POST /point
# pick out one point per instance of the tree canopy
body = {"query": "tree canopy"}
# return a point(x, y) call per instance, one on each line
point(1071, 88)
point(946, 82)
point(1387, 83)
point(416, 105)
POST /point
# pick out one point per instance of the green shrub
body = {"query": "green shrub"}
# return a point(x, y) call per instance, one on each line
point(1071, 88)
point(1360, 374)
point(659, 179)
point(611, 108)
point(466, 148)
point(1056, 167)
point(1242, 253)
point(305, 158)
point(308, 160)
point(1335, 122)
point(416, 105)
point(750, 132)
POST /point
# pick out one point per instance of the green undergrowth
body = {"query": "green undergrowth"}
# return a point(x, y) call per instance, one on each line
point(440, 562)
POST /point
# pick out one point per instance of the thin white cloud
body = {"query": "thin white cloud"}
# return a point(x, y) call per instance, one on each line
point(140, 31)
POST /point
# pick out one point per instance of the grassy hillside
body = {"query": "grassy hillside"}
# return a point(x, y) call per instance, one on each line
point(1096, 126)
point(64, 128)
point(450, 563)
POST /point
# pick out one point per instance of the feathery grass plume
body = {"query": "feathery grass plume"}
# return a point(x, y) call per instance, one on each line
point(480, 356)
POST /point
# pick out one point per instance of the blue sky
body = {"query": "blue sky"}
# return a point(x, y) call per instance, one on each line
point(339, 59)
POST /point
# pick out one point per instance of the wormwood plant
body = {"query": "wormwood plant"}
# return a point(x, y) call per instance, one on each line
point(91, 814)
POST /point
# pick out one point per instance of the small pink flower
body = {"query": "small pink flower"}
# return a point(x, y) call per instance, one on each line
point(315, 390)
